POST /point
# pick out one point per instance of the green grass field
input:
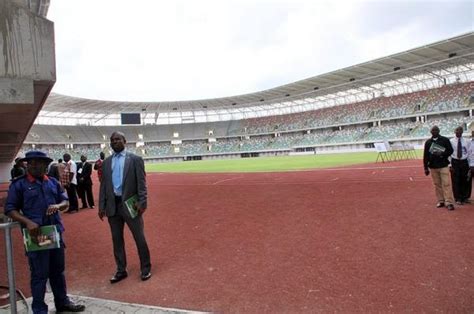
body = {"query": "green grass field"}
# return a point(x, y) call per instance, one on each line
point(266, 164)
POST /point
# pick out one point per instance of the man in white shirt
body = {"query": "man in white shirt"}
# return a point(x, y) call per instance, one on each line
point(71, 188)
point(460, 167)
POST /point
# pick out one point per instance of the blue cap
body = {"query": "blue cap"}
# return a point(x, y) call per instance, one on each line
point(36, 154)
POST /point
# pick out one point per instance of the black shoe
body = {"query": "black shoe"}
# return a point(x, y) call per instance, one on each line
point(84, 207)
point(450, 207)
point(467, 201)
point(71, 307)
point(118, 277)
point(72, 211)
point(440, 204)
point(146, 276)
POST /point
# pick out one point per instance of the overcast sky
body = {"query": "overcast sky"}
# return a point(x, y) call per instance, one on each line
point(157, 50)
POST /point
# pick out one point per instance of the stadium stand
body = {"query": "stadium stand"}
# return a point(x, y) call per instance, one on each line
point(447, 98)
point(396, 118)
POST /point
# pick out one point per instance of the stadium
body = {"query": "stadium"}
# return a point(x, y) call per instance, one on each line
point(395, 99)
point(246, 232)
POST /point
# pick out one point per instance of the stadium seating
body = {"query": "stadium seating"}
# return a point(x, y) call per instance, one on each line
point(352, 123)
point(392, 131)
point(450, 97)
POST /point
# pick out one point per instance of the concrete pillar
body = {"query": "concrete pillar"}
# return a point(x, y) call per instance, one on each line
point(27, 73)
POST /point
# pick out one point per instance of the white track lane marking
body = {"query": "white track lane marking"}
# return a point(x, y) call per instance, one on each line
point(255, 183)
point(225, 180)
point(275, 182)
point(361, 168)
point(285, 171)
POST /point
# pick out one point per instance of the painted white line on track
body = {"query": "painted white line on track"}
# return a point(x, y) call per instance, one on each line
point(225, 180)
point(253, 183)
point(353, 168)
point(285, 171)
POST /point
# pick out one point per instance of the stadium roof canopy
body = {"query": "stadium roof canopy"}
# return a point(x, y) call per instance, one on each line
point(430, 66)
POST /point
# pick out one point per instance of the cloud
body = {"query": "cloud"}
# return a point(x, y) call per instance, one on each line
point(183, 49)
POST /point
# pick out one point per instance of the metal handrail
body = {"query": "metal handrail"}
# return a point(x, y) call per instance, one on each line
point(7, 226)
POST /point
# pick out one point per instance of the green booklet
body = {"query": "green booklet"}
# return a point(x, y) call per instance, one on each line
point(131, 205)
point(51, 239)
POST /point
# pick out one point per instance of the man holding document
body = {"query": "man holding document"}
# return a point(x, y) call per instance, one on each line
point(123, 199)
point(435, 160)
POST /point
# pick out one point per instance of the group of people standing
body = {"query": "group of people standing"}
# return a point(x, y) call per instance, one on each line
point(76, 179)
point(35, 200)
point(451, 165)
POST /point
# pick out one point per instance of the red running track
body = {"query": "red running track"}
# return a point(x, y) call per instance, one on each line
point(360, 239)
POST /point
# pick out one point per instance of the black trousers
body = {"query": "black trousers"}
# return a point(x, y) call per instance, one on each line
point(84, 190)
point(460, 180)
point(469, 186)
point(72, 195)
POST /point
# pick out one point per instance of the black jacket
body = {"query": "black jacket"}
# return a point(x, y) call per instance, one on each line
point(85, 176)
point(437, 161)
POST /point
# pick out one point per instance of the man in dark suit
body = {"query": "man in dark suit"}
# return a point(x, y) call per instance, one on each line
point(123, 177)
point(84, 183)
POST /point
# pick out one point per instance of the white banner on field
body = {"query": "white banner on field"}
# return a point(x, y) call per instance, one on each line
point(381, 147)
point(301, 153)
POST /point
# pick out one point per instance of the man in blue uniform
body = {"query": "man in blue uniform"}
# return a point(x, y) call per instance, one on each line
point(34, 200)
